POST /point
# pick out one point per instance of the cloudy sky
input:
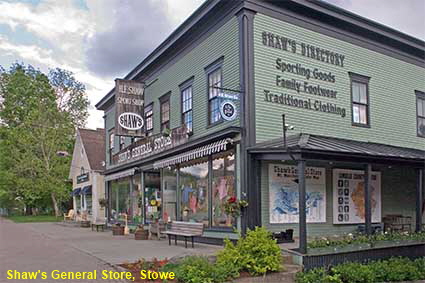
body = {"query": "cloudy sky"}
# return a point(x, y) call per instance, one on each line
point(100, 40)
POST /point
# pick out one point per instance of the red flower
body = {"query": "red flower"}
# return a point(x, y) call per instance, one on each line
point(232, 200)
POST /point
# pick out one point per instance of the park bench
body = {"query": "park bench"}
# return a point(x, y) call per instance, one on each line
point(184, 229)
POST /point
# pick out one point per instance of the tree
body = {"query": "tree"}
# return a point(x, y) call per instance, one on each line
point(39, 117)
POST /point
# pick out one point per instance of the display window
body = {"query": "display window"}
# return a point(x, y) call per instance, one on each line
point(169, 185)
point(120, 201)
point(152, 195)
point(194, 192)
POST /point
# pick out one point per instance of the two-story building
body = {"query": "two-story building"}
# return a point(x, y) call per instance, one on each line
point(353, 95)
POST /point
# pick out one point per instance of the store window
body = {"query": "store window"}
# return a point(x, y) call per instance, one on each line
point(165, 112)
point(137, 203)
point(149, 119)
point(120, 201)
point(187, 116)
point(88, 203)
point(194, 192)
point(214, 83)
point(223, 188)
point(153, 199)
point(78, 203)
point(420, 112)
point(169, 195)
point(360, 100)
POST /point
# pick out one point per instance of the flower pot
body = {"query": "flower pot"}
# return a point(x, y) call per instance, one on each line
point(141, 234)
point(118, 231)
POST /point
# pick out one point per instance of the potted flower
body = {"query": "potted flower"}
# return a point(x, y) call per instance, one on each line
point(117, 229)
point(141, 233)
point(233, 207)
point(103, 202)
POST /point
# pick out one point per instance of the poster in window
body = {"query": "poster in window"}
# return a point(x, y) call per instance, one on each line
point(283, 194)
point(348, 196)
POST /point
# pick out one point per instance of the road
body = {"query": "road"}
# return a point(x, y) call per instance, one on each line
point(25, 250)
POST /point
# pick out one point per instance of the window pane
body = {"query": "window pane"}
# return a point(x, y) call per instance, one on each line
point(187, 120)
point(169, 181)
point(356, 92)
point(359, 93)
point(215, 115)
point(194, 193)
point(421, 126)
point(360, 114)
point(120, 199)
point(421, 107)
point(214, 80)
point(223, 187)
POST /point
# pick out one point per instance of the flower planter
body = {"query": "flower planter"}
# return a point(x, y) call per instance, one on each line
point(141, 234)
point(118, 231)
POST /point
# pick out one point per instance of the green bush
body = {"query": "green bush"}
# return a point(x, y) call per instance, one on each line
point(230, 258)
point(259, 252)
point(394, 269)
point(195, 269)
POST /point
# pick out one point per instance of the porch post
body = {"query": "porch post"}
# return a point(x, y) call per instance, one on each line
point(367, 196)
point(301, 206)
point(419, 199)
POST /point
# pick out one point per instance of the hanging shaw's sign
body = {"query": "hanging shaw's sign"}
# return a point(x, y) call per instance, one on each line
point(129, 102)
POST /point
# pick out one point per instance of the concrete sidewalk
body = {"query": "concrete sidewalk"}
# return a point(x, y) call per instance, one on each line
point(116, 249)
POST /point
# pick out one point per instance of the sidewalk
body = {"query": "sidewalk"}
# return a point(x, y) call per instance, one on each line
point(117, 249)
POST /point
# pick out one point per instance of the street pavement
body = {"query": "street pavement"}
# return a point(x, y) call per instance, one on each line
point(25, 250)
point(29, 247)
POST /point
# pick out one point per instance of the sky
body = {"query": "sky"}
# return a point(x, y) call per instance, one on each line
point(100, 40)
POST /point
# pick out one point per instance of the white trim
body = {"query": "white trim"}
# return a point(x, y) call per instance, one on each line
point(119, 175)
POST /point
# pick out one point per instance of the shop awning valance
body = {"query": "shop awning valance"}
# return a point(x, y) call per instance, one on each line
point(86, 190)
point(76, 192)
point(200, 152)
point(119, 175)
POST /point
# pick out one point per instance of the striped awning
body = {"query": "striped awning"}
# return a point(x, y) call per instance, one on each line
point(200, 152)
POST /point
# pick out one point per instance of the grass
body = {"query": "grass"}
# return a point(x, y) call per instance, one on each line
point(35, 218)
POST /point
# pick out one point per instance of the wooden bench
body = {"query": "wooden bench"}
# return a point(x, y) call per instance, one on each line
point(184, 229)
point(98, 223)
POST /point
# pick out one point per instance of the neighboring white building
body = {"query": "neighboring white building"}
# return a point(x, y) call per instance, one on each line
point(88, 162)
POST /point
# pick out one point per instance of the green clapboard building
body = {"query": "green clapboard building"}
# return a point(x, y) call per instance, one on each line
point(214, 97)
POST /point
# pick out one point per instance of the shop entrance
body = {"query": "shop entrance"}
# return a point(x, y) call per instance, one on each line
point(152, 194)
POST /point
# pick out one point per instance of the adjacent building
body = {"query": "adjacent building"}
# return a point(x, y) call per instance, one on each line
point(86, 173)
point(352, 93)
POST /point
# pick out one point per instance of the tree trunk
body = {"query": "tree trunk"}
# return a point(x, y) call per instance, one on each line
point(55, 205)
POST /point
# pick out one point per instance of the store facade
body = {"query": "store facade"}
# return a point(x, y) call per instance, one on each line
point(352, 93)
point(86, 171)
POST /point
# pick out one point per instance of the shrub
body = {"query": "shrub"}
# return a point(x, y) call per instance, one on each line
point(394, 269)
point(259, 252)
point(195, 269)
point(230, 258)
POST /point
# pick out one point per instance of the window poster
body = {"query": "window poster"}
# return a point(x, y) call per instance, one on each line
point(283, 194)
point(348, 196)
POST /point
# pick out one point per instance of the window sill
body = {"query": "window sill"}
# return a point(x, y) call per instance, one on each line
point(221, 229)
point(360, 125)
point(215, 124)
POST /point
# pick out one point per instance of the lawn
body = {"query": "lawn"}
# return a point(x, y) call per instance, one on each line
point(35, 218)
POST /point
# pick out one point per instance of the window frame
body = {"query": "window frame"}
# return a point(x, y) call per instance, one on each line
point(360, 79)
point(420, 95)
point(183, 87)
point(121, 142)
point(217, 65)
point(162, 100)
point(148, 132)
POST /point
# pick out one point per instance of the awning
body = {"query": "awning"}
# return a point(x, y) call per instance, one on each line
point(119, 175)
point(86, 190)
point(200, 152)
point(76, 192)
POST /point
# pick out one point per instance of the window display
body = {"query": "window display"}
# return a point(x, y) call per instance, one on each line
point(120, 199)
point(194, 192)
point(153, 201)
point(169, 185)
point(223, 187)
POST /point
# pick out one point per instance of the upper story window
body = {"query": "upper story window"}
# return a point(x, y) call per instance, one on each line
point(149, 119)
point(420, 112)
point(122, 142)
point(214, 83)
point(165, 112)
point(360, 100)
point(111, 144)
point(186, 104)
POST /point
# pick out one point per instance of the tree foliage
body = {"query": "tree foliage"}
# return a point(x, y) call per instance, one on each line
point(39, 115)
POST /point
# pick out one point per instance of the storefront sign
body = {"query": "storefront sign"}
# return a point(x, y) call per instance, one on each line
point(349, 199)
point(151, 145)
point(283, 194)
point(82, 178)
point(129, 103)
point(228, 110)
